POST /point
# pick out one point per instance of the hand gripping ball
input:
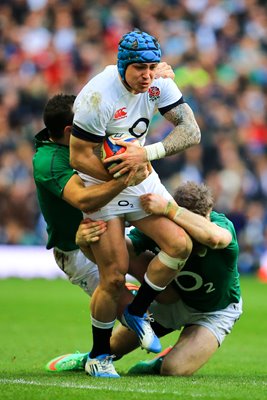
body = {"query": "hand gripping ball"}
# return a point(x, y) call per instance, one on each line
point(110, 147)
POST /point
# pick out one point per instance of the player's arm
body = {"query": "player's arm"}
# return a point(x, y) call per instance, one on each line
point(185, 134)
point(84, 159)
point(91, 198)
point(199, 228)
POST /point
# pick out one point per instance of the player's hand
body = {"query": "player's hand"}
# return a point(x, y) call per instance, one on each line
point(130, 159)
point(153, 203)
point(89, 231)
point(164, 70)
point(136, 176)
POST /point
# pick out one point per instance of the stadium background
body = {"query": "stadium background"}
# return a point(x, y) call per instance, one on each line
point(218, 50)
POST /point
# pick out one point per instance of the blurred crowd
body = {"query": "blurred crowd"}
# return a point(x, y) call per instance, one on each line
point(218, 50)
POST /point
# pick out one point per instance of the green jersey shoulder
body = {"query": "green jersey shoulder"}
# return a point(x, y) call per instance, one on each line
point(52, 171)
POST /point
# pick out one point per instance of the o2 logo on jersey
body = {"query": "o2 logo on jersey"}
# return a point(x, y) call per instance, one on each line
point(197, 282)
point(153, 93)
point(125, 203)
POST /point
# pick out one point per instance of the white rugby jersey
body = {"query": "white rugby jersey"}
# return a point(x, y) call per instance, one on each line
point(105, 107)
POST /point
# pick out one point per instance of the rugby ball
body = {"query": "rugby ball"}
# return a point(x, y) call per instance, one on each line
point(110, 147)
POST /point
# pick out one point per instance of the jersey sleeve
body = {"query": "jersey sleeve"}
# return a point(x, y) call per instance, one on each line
point(222, 221)
point(91, 116)
point(170, 95)
point(57, 182)
point(55, 176)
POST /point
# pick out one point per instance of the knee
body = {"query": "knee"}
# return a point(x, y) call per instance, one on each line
point(179, 247)
point(113, 280)
point(117, 280)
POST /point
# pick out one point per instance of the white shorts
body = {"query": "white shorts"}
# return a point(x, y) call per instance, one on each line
point(178, 315)
point(127, 203)
point(78, 268)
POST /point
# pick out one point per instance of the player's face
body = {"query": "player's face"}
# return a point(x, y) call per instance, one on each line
point(139, 76)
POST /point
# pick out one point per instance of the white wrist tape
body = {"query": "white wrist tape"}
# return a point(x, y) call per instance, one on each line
point(155, 151)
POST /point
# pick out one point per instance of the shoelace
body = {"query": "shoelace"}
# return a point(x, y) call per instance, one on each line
point(109, 358)
point(148, 327)
point(105, 363)
point(149, 318)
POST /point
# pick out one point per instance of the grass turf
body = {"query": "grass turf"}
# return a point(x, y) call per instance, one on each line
point(42, 319)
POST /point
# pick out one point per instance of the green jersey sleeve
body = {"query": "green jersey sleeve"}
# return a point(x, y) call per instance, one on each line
point(53, 173)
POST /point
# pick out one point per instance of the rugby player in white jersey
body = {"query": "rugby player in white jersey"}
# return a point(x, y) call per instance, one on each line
point(123, 99)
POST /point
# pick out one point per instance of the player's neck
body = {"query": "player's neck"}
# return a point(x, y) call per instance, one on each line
point(62, 140)
point(125, 84)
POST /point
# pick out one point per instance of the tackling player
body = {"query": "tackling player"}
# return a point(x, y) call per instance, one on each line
point(62, 194)
point(204, 300)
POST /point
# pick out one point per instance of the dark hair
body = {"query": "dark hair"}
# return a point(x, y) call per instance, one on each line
point(195, 197)
point(58, 114)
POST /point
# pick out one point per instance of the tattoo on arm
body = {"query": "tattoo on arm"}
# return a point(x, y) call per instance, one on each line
point(186, 132)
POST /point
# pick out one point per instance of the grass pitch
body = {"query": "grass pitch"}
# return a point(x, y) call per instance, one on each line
point(41, 319)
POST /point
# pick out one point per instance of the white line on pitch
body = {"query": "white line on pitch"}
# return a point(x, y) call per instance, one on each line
point(79, 386)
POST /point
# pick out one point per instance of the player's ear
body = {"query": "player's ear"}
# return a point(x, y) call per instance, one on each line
point(68, 129)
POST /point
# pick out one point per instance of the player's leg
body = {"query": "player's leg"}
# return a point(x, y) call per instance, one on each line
point(200, 339)
point(172, 240)
point(111, 257)
point(203, 333)
point(84, 273)
point(193, 349)
point(175, 247)
point(123, 341)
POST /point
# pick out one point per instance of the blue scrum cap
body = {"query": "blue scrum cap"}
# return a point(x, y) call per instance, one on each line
point(137, 47)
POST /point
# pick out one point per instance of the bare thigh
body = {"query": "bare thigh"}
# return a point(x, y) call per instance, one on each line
point(193, 349)
point(168, 235)
point(110, 251)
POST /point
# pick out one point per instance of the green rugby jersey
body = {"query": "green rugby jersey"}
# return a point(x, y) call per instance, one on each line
point(206, 283)
point(51, 171)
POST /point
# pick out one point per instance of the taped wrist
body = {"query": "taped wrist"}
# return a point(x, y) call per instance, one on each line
point(155, 151)
point(172, 210)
